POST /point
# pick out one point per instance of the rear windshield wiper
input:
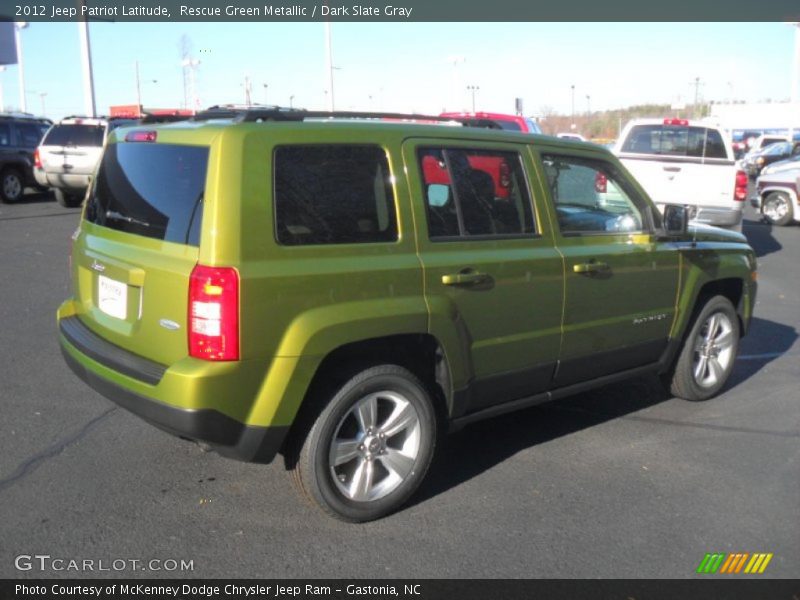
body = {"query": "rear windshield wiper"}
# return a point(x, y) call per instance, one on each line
point(112, 214)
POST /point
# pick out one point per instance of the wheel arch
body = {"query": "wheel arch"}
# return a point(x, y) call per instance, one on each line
point(421, 353)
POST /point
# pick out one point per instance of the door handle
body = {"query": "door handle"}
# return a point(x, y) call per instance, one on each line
point(468, 278)
point(590, 267)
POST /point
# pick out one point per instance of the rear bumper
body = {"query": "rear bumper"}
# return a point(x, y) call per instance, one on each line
point(719, 217)
point(226, 435)
point(71, 183)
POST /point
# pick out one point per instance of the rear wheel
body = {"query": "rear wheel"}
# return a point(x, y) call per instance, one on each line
point(371, 445)
point(11, 185)
point(708, 353)
point(777, 208)
point(67, 200)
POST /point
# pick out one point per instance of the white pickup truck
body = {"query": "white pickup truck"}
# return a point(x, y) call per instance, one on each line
point(685, 162)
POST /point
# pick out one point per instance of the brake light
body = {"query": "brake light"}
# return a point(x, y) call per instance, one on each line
point(214, 313)
point(505, 175)
point(37, 160)
point(141, 136)
point(600, 183)
point(682, 122)
point(740, 191)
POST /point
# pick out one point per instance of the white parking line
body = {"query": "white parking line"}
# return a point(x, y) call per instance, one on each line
point(765, 355)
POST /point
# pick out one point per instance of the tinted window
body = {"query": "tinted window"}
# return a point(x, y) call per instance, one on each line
point(75, 135)
point(5, 134)
point(675, 140)
point(475, 192)
point(28, 134)
point(591, 196)
point(154, 190)
point(333, 194)
point(509, 125)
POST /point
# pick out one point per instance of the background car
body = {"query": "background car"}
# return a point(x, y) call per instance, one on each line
point(19, 136)
point(571, 136)
point(504, 121)
point(753, 162)
point(69, 153)
point(778, 197)
point(787, 164)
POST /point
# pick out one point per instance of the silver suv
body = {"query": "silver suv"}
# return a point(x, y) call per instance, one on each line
point(69, 155)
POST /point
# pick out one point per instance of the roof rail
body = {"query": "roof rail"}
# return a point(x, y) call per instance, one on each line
point(254, 114)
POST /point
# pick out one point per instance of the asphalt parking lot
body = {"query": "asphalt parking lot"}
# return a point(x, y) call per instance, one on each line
point(624, 481)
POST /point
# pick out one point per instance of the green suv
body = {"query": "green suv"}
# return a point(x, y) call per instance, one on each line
point(343, 288)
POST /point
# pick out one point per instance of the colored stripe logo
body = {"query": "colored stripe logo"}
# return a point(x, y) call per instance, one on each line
point(734, 563)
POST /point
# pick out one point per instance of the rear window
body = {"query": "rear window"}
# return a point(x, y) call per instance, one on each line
point(675, 141)
point(508, 125)
point(153, 190)
point(333, 194)
point(75, 135)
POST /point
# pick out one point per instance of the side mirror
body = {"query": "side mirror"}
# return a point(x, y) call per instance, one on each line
point(676, 218)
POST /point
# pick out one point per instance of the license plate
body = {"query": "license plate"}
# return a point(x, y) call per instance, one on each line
point(112, 297)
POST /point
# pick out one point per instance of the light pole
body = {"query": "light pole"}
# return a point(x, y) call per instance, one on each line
point(455, 60)
point(588, 105)
point(572, 121)
point(2, 100)
point(329, 64)
point(291, 101)
point(18, 27)
point(41, 96)
point(795, 76)
point(266, 85)
point(86, 62)
point(473, 89)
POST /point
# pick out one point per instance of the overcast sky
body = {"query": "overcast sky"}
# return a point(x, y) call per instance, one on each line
point(425, 67)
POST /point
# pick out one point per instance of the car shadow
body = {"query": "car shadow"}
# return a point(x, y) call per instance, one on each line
point(36, 197)
point(466, 454)
point(765, 341)
point(759, 236)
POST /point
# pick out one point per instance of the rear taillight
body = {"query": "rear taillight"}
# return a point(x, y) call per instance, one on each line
point(505, 175)
point(37, 160)
point(740, 191)
point(600, 183)
point(214, 313)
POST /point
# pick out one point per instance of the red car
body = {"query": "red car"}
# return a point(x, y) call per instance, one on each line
point(507, 122)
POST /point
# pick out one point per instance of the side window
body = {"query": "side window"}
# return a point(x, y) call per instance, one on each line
point(5, 134)
point(590, 196)
point(715, 147)
point(333, 194)
point(475, 193)
point(28, 135)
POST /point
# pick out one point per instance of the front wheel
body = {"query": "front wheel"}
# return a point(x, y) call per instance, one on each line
point(777, 208)
point(708, 353)
point(371, 445)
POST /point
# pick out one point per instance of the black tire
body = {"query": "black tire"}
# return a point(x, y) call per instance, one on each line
point(777, 208)
point(397, 459)
point(12, 185)
point(67, 200)
point(708, 353)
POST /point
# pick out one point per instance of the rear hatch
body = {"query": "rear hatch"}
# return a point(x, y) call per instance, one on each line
point(72, 148)
point(138, 244)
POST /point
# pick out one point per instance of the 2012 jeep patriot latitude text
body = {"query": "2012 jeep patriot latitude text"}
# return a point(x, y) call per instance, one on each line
point(269, 282)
